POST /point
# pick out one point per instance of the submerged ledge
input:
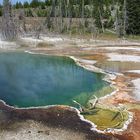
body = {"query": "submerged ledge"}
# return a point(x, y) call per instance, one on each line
point(109, 76)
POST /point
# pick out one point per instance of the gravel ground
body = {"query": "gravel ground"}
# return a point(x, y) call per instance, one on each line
point(31, 130)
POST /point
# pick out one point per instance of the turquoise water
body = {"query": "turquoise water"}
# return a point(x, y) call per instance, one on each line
point(37, 80)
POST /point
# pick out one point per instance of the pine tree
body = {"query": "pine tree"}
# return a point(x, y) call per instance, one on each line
point(0, 12)
point(26, 4)
point(133, 14)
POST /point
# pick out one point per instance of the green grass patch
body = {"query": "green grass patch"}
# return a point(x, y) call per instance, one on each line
point(133, 37)
point(44, 44)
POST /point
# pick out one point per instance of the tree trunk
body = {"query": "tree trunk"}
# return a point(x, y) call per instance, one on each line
point(9, 29)
point(101, 20)
point(125, 18)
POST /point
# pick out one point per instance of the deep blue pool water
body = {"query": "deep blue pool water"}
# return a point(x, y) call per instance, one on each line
point(37, 80)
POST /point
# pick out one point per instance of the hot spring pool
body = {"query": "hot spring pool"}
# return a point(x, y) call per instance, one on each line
point(28, 80)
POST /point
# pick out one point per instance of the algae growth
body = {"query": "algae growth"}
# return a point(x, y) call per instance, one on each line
point(106, 118)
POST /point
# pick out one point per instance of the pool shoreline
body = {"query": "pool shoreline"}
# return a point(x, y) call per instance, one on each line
point(91, 68)
point(121, 95)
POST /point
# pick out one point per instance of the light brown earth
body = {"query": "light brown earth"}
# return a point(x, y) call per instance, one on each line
point(122, 82)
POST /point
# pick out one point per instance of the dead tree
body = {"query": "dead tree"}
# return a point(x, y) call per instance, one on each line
point(124, 18)
point(9, 28)
point(101, 20)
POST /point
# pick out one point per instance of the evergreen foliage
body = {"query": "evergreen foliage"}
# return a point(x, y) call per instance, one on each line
point(18, 5)
point(26, 5)
point(133, 13)
point(0, 12)
point(120, 16)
